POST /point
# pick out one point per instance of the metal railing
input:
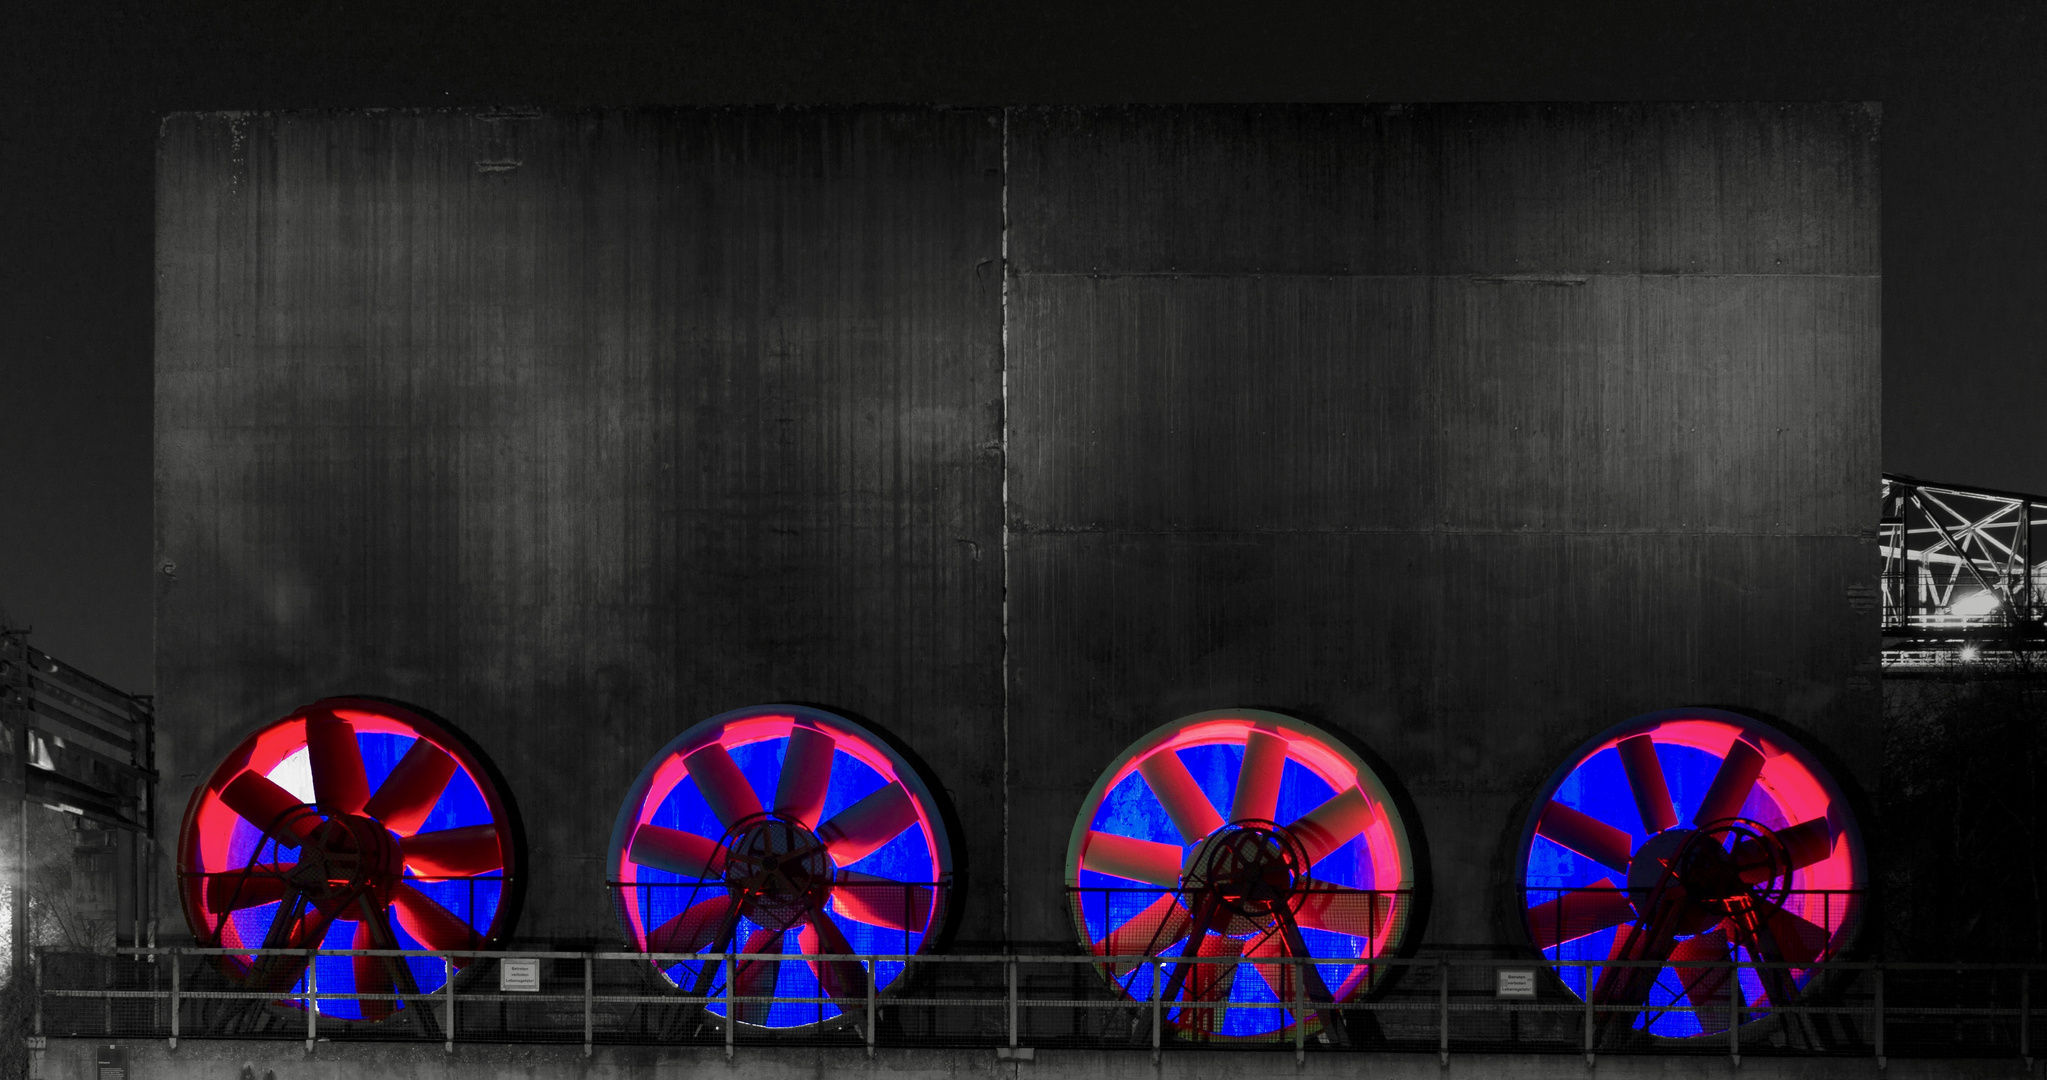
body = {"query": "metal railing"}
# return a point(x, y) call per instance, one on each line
point(1017, 1003)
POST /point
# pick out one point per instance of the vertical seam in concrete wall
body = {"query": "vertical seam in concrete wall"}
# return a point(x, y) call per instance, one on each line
point(1003, 266)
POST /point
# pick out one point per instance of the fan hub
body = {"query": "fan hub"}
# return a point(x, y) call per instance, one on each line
point(1707, 874)
point(347, 855)
point(1252, 868)
point(780, 870)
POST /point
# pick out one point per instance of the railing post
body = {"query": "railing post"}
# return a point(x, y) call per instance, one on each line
point(1158, 1006)
point(1877, 1029)
point(2026, 1017)
point(175, 956)
point(1734, 1012)
point(873, 973)
point(312, 997)
point(1443, 1009)
point(731, 1006)
point(1300, 1014)
point(448, 992)
point(1591, 1014)
point(1012, 1005)
point(589, 1003)
point(39, 989)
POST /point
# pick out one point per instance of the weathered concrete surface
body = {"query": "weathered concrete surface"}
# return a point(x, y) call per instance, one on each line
point(579, 429)
point(72, 1059)
point(1463, 431)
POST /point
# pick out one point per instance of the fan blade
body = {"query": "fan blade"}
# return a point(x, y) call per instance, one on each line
point(1340, 909)
point(1127, 857)
point(372, 975)
point(676, 851)
point(254, 887)
point(431, 924)
point(1645, 779)
point(722, 785)
point(1738, 772)
point(856, 831)
point(1806, 843)
point(1787, 937)
point(1586, 835)
point(463, 852)
point(820, 938)
point(880, 901)
point(1174, 787)
point(1257, 797)
point(1204, 996)
point(1147, 933)
point(409, 793)
point(692, 930)
point(339, 785)
point(1578, 913)
point(757, 978)
point(806, 774)
point(270, 808)
point(1279, 978)
point(1705, 988)
point(1331, 825)
point(1630, 986)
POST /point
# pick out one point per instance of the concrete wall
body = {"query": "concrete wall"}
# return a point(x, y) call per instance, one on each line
point(1465, 431)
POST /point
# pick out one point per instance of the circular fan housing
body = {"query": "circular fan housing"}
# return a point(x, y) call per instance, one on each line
point(784, 830)
point(1691, 834)
point(350, 824)
point(1241, 835)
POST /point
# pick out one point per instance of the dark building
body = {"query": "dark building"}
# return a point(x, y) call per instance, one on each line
point(1463, 432)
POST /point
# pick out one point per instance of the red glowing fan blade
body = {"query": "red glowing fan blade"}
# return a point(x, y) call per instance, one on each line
point(1586, 835)
point(1738, 772)
point(722, 785)
point(1279, 978)
point(270, 808)
point(676, 851)
point(1576, 914)
point(861, 828)
point(408, 795)
point(1786, 937)
point(756, 978)
point(339, 785)
point(1193, 815)
point(692, 930)
point(1209, 978)
point(1148, 932)
point(1705, 987)
point(1339, 909)
point(431, 924)
point(463, 852)
point(373, 975)
point(806, 774)
point(254, 887)
point(1645, 779)
point(820, 938)
point(1332, 824)
point(880, 901)
point(1806, 843)
point(1258, 777)
point(1127, 857)
point(1630, 986)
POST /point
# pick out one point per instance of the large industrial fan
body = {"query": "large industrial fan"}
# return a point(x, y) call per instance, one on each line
point(780, 830)
point(1248, 850)
point(1690, 835)
point(349, 824)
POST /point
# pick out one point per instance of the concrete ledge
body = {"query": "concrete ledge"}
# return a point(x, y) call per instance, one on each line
point(150, 1059)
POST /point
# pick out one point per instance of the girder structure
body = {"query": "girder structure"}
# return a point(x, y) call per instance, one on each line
point(1962, 582)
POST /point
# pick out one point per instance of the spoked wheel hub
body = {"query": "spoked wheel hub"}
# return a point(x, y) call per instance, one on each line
point(345, 857)
point(1251, 869)
point(780, 869)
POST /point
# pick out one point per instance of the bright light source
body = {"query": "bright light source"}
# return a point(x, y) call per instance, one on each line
point(1980, 603)
point(1970, 652)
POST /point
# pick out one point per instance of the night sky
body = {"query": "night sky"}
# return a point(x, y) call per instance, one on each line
point(1964, 91)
